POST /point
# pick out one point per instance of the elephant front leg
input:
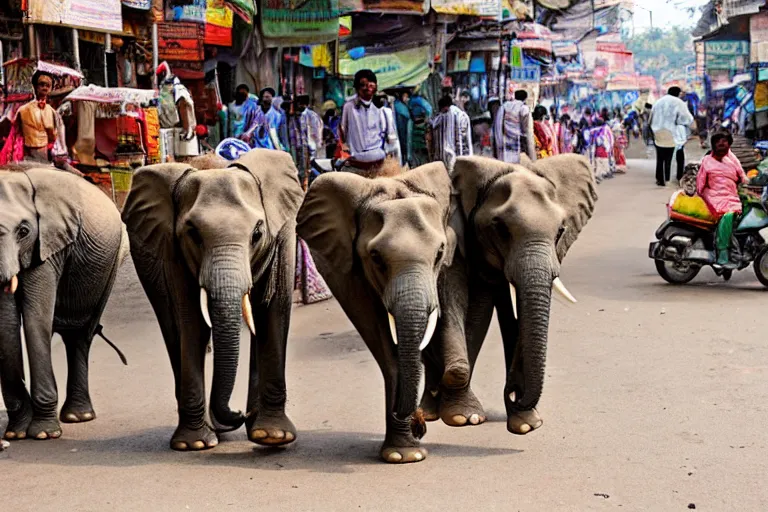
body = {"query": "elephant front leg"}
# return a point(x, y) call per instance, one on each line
point(193, 432)
point(267, 423)
point(77, 407)
point(402, 442)
point(38, 303)
point(518, 421)
point(15, 396)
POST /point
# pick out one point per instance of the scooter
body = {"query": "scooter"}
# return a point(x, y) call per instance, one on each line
point(686, 240)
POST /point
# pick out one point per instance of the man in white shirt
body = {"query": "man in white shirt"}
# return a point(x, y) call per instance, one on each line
point(449, 134)
point(392, 142)
point(667, 114)
point(362, 128)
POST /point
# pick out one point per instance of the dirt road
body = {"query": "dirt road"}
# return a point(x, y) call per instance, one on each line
point(656, 397)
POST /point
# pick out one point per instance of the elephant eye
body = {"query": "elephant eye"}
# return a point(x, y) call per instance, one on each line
point(559, 234)
point(23, 231)
point(440, 253)
point(378, 260)
point(195, 236)
point(500, 226)
point(256, 236)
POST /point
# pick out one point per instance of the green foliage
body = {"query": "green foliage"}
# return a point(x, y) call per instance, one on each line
point(661, 50)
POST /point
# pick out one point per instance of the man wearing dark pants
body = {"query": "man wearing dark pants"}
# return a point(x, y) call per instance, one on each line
point(669, 113)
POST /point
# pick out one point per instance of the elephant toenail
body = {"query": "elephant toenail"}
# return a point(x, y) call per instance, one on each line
point(459, 419)
point(41, 435)
point(525, 428)
point(394, 457)
point(289, 436)
point(10, 435)
point(180, 445)
point(474, 419)
point(88, 416)
point(512, 396)
point(418, 456)
point(198, 445)
point(258, 434)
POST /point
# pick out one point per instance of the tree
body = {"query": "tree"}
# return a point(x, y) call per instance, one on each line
point(660, 50)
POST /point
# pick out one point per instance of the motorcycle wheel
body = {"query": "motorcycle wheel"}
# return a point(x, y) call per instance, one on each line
point(678, 273)
point(761, 266)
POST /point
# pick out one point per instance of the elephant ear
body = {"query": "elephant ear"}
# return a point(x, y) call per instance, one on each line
point(278, 181)
point(575, 191)
point(327, 219)
point(149, 208)
point(472, 175)
point(433, 180)
point(58, 200)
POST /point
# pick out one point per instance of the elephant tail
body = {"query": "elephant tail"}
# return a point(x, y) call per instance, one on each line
point(100, 332)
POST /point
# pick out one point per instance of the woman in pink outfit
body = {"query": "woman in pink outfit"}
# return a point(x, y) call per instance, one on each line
point(717, 183)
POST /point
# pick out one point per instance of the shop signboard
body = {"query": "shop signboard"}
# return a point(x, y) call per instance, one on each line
point(96, 15)
point(725, 55)
point(482, 8)
point(406, 67)
point(758, 33)
point(525, 74)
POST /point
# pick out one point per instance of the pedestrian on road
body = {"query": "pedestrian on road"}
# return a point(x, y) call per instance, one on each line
point(362, 128)
point(241, 111)
point(391, 141)
point(513, 130)
point(305, 132)
point(719, 175)
point(267, 128)
point(403, 122)
point(542, 134)
point(449, 134)
point(421, 113)
point(667, 114)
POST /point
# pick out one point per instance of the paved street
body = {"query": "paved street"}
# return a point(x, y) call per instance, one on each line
point(656, 398)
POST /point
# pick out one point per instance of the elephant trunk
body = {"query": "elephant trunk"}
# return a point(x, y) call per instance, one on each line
point(413, 317)
point(534, 296)
point(227, 285)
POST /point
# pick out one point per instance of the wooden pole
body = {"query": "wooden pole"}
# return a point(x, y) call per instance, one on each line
point(107, 49)
point(76, 48)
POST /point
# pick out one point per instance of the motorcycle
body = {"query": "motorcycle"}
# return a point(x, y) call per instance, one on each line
point(686, 240)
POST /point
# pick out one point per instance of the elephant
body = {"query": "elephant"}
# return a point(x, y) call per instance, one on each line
point(381, 245)
point(211, 247)
point(514, 225)
point(61, 244)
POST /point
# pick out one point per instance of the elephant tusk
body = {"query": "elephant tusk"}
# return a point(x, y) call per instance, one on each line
point(204, 306)
point(14, 284)
point(513, 296)
point(558, 285)
point(431, 325)
point(248, 314)
point(393, 328)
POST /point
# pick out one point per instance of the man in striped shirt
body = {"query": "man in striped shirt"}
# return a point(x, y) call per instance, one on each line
point(450, 134)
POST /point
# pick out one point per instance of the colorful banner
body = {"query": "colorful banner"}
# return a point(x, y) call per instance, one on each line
point(181, 41)
point(97, 15)
point(218, 23)
point(385, 6)
point(758, 34)
point(407, 67)
point(313, 22)
point(761, 96)
point(484, 8)
point(194, 12)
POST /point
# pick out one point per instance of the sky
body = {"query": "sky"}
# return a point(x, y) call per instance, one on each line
point(666, 13)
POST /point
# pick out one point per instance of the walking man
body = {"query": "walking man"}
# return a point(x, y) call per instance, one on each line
point(362, 129)
point(513, 130)
point(667, 114)
point(241, 111)
point(450, 135)
point(305, 132)
point(267, 127)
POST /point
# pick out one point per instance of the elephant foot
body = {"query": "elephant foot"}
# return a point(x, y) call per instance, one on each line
point(44, 428)
point(270, 429)
point(18, 423)
point(402, 454)
point(430, 405)
point(72, 413)
point(459, 408)
point(522, 422)
point(191, 439)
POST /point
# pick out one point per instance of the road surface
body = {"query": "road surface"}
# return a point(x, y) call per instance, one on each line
point(656, 398)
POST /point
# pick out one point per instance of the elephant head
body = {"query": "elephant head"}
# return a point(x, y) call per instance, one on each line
point(37, 220)
point(381, 244)
point(519, 222)
point(225, 226)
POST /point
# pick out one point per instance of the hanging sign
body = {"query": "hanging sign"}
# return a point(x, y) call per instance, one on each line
point(517, 57)
point(525, 74)
point(96, 15)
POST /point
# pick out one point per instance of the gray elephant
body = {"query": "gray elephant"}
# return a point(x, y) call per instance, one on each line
point(61, 243)
point(213, 247)
point(514, 225)
point(381, 245)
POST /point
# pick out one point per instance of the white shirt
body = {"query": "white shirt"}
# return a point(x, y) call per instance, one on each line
point(364, 131)
point(391, 143)
point(667, 114)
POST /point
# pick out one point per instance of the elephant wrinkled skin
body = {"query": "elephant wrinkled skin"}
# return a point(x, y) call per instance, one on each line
point(61, 243)
point(515, 224)
point(381, 245)
point(213, 247)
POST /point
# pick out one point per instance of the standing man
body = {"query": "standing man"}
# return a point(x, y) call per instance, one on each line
point(305, 132)
point(404, 123)
point(362, 130)
point(240, 111)
point(513, 130)
point(266, 127)
point(391, 141)
point(450, 135)
point(421, 112)
point(37, 120)
point(667, 114)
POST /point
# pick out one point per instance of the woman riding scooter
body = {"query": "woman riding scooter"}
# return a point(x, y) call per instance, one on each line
point(717, 183)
